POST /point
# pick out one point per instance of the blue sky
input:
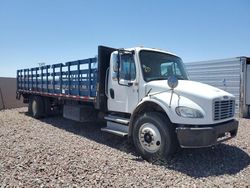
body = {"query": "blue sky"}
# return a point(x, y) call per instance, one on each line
point(54, 31)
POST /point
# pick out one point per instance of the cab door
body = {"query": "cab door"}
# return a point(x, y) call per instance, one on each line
point(122, 84)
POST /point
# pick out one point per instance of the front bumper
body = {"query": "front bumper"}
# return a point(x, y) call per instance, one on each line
point(205, 136)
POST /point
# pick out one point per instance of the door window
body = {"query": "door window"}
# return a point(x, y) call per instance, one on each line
point(127, 67)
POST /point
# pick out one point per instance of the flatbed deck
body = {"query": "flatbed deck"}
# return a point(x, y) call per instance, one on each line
point(72, 80)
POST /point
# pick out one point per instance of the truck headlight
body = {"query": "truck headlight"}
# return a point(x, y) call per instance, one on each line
point(187, 112)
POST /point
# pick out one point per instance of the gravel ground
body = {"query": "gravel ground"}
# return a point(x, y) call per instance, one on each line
point(55, 152)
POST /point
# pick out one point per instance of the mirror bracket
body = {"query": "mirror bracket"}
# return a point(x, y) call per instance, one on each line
point(172, 83)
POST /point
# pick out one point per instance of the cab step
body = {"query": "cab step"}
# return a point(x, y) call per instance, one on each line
point(116, 129)
point(117, 119)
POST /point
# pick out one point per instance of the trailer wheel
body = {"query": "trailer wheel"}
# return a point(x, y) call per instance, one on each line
point(154, 136)
point(37, 107)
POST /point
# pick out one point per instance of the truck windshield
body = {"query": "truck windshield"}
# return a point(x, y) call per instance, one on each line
point(159, 66)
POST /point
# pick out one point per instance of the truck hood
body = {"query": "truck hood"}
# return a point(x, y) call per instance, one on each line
point(190, 89)
point(189, 94)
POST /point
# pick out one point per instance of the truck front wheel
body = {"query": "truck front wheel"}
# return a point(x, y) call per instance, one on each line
point(154, 136)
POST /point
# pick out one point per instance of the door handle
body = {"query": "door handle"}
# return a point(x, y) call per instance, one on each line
point(112, 93)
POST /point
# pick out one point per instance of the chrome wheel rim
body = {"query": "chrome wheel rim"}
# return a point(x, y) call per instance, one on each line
point(150, 137)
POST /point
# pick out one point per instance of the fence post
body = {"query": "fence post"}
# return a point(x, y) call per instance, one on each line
point(90, 61)
point(69, 78)
point(78, 77)
point(53, 79)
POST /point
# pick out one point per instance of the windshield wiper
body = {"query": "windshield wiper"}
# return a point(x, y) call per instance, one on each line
point(160, 78)
point(181, 77)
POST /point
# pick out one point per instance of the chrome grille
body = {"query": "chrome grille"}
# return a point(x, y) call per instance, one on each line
point(223, 109)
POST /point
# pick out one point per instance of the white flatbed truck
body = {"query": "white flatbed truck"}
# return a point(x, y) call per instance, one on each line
point(141, 93)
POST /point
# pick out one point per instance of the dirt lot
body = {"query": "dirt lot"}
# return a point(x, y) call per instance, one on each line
point(55, 152)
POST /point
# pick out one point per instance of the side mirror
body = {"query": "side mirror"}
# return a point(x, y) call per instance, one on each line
point(114, 76)
point(116, 66)
point(172, 82)
point(115, 60)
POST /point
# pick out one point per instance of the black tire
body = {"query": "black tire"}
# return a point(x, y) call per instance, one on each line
point(30, 106)
point(168, 142)
point(37, 107)
point(47, 107)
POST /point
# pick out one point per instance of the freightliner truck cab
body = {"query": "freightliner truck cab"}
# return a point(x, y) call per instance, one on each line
point(149, 90)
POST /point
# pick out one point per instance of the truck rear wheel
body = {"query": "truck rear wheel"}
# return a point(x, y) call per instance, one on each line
point(37, 107)
point(30, 106)
point(47, 107)
point(154, 136)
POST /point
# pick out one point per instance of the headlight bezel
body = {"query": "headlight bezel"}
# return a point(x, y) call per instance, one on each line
point(187, 112)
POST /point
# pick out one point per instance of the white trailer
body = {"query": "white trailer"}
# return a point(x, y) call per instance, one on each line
point(231, 75)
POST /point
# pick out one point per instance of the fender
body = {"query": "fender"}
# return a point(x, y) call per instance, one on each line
point(154, 103)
